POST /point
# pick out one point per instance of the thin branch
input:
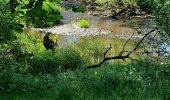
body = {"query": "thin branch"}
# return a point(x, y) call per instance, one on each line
point(120, 55)
point(136, 47)
point(107, 51)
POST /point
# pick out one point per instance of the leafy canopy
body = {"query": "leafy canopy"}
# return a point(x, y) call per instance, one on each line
point(37, 13)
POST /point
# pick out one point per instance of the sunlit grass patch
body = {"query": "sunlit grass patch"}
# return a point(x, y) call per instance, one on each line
point(84, 23)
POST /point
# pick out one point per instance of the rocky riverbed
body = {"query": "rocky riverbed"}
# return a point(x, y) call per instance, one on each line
point(74, 29)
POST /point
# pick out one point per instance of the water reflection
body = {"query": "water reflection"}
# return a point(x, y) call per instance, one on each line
point(68, 39)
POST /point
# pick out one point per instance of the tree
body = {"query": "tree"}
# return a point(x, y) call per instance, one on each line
point(37, 13)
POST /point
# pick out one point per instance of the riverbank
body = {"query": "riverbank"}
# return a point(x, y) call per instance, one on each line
point(99, 26)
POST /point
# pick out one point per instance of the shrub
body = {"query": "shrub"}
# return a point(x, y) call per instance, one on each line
point(84, 23)
point(26, 45)
point(45, 63)
point(49, 62)
point(147, 5)
point(71, 58)
point(92, 51)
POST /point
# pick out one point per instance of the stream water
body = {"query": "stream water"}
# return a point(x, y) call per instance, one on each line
point(117, 28)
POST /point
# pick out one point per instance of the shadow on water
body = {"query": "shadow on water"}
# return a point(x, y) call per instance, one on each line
point(100, 42)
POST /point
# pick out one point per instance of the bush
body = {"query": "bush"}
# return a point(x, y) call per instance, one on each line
point(45, 63)
point(49, 62)
point(92, 51)
point(71, 58)
point(84, 23)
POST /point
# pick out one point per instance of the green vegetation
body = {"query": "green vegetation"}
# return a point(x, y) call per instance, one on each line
point(8, 23)
point(30, 72)
point(144, 80)
point(80, 8)
point(61, 74)
point(84, 23)
point(75, 7)
point(109, 3)
point(40, 13)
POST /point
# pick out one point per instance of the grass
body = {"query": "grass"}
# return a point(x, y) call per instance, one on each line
point(110, 82)
point(84, 23)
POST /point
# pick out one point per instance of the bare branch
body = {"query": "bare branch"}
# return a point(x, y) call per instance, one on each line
point(120, 56)
point(121, 53)
point(107, 51)
point(138, 44)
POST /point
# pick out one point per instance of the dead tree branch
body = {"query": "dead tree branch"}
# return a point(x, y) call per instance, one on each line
point(121, 56)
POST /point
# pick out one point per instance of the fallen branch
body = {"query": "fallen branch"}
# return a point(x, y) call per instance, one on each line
point(120, 56)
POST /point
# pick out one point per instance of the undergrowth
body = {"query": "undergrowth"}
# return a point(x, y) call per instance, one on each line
point(60, 74)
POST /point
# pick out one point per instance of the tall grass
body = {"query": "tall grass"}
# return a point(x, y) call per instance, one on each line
point(136, 81)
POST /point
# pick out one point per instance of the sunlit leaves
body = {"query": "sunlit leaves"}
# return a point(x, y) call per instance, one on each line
point(38, 13)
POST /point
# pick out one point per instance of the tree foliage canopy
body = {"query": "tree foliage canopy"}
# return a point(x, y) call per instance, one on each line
point(37, 13)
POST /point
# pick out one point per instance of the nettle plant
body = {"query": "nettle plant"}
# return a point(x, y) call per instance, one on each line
point(37, 13)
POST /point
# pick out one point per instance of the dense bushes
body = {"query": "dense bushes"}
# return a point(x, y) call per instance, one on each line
point(29, 49)
point(49, 62)
point(142, 80)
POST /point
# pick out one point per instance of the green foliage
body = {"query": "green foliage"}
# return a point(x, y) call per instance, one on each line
point(26, 45)
point(71, 58)
point(49, 62)
point(75, 7)
point(162, 16)
point(38, 13)
point(29, 48)
point(45, 63)
point(92, 51)
point(110, 3)
point(140, 80)
point(8, 23)
point(37, 73)
point(84, 23)
point(105, 2)
point(46, 74)
point(147, 5)
point(80, 8)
